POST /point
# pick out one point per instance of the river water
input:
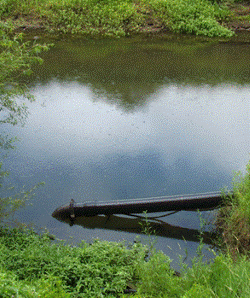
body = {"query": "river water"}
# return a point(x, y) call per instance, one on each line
point(132, 118)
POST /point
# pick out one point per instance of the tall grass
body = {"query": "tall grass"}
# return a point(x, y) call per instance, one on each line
point(94, 270)
point(32, 265)
point(119, 17)
point(220, 278)
point(233, 220)
point(11, 286)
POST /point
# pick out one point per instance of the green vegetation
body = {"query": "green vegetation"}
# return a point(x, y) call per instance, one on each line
point(187, 16)
point(92, 270)
point(11, 286)
point(118, 17)
point(31, 264)
point(16, 59)
point(222, 278)
point(233, 220)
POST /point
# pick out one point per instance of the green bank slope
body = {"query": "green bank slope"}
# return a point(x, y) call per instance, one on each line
point(121, 17)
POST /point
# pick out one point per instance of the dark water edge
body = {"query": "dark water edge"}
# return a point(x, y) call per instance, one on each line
point(207, 61)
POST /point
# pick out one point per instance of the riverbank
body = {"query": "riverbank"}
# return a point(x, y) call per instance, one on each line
point(126, 17)
point(233, 220)
point(34, 265)
point(240, 17)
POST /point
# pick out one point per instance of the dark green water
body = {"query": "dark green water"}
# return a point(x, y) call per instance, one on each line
point(129, 118)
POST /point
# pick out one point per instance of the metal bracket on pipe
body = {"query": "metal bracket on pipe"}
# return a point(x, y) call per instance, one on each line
point(72, 213)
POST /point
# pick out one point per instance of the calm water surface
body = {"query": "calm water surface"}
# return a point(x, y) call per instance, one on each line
point(129, 118)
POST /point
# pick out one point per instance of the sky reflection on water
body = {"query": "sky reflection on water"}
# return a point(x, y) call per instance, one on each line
point(85, 145)
point(184, 140)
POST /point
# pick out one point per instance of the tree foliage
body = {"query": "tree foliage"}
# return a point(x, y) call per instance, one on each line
point(16, 59)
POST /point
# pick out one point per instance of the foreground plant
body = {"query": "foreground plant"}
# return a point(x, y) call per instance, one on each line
point(233, 220)
point(11, 286)
point(33, 264)
point(85, 270)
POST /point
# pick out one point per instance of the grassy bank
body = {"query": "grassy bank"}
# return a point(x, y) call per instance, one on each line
point(118, 17)
point(33, 265)
point(233, 221)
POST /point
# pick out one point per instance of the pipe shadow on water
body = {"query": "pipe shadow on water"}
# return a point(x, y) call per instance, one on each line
point(139, 226)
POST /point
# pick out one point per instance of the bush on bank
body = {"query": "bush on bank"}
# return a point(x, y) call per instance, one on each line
point(94, 270)
point(118, 17)
point(233, 220)
point(32, 266)
point(11, 286)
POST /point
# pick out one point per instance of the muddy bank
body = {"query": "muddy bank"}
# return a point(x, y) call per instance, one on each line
point(240, 17)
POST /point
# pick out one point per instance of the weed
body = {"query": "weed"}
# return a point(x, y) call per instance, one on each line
point(233, 220)
point(92, 270)
point(31, 263)
point(193, 16)
point(156, 277)
point(121, 17)
point(49, 287)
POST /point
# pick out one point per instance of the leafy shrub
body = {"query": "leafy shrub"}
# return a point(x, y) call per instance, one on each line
point(198, 291)
point(6, 7)
point(221, 278)
point(190, 16)
point(93, 17)
point(30, 263)
point(121, 17)
point(242, 191)
point(49, 287)
point(92, 270)
point(157, 278)
point(233, 220)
